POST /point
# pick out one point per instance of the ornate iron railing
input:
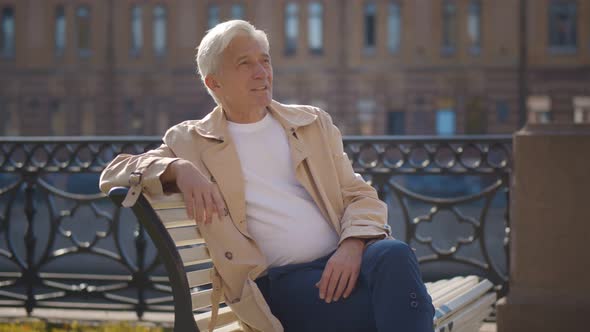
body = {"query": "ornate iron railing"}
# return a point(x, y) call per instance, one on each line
point(63, 244)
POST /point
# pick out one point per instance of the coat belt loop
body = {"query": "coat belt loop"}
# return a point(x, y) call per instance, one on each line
point(134, 189)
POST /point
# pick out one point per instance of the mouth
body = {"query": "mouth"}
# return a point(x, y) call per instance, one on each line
point(260, 88)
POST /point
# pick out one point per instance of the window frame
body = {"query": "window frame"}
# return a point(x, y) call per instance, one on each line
point(551, 25)
point(390, 6)
point(5, 51)
point(83, 53)
point(291, 49)
point(453, 28)
point(160, 53)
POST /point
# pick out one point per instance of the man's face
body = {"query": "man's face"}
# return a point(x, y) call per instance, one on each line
point(244, 78)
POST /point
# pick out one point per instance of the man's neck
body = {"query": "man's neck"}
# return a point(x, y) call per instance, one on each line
point(244, 116)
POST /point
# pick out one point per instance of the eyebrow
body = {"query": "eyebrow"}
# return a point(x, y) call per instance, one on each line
point(239, 59)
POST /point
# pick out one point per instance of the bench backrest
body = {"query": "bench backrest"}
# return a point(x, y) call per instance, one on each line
point(184, 253)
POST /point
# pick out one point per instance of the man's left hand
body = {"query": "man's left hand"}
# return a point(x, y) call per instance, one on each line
point(342, 270)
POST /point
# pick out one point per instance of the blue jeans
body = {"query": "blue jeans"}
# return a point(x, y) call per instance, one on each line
point(389, 295)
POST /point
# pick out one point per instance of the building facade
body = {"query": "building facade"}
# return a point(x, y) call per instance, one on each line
point(113, 67)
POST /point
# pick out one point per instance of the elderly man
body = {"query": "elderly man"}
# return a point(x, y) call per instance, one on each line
point(299, 241)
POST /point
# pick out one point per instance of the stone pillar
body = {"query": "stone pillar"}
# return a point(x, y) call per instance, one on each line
point(550, 231)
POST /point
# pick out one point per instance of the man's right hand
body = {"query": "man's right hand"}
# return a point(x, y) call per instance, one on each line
point(201, 197)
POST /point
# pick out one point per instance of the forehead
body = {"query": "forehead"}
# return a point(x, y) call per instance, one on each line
point(244, 45)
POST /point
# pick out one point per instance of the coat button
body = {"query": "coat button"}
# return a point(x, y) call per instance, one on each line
point(229, 255)
point(213, 179)
point(413, 295)
point(414, 304)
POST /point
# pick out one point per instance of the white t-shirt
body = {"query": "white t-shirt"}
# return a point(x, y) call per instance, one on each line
point(281, 215)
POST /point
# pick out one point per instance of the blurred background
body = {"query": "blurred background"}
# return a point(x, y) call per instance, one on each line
point(427, 92)
point(400, 67)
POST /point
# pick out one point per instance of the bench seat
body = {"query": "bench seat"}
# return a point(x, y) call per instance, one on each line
point(461, 302)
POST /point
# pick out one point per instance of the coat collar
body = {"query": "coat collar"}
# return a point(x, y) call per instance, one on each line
point(214, 124)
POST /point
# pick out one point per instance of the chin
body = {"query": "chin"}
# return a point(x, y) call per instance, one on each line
point(264, 102)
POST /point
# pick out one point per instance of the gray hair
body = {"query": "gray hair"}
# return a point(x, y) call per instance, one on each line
point(215, 42)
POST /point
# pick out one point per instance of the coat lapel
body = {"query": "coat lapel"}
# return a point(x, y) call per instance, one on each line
point(223, 163)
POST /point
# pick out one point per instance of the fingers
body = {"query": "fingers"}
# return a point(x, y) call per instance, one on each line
point(324, 281)
point(188, 203)
point(344, 280)
point(335, 279)
point(209, 208)
point(198, 210)
point(351, 284)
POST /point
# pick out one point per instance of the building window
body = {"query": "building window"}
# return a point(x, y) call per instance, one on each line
point(83, 29)
point(291, 28)
point(367, 110)
point(163, 118)
point(394, 26)
point(60, 31)
point(134, 117)
point(213, 19)
point(502, 111)
point(539, 109)
point(88, 124)
point(396, 123)
point(475, 117)
point(370, 27)
point(57, 113)
point(474, 26)
point(562, 26)
point(7, 42)
point(445, 122)
point(315, 31)
point(159, 30)
point(449, 30)
point(237, 11)
point(136, 30)
point(582, 109)
point(9, 119)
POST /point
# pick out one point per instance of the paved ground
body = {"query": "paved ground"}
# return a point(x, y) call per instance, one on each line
point(160, 319)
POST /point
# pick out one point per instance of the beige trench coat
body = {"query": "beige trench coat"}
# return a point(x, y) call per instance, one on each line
point(321, 166)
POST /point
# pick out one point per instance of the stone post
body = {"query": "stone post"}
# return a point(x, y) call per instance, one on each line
point(550, 231)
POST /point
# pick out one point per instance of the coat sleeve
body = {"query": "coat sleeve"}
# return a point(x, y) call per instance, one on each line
point(365, 215)
point(146, 168)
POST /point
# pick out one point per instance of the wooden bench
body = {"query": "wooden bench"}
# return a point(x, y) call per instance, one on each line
point(461, 303)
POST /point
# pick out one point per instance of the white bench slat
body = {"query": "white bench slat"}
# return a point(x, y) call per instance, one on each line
point(199, 277)
point(470, 316)
point(452, 290)
point(175, 218)
point(437, 285)
point(165, 201)
point(447, 309)
point(235, 327)
point(202, 299)
point(194, 255)
point(185, 236)
point(224, 317)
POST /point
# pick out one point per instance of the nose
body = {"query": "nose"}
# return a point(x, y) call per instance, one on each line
point(260, 72)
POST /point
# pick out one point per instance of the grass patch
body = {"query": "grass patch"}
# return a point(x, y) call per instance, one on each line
point(40, 326)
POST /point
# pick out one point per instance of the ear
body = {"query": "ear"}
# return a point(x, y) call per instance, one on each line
point(212, 82)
